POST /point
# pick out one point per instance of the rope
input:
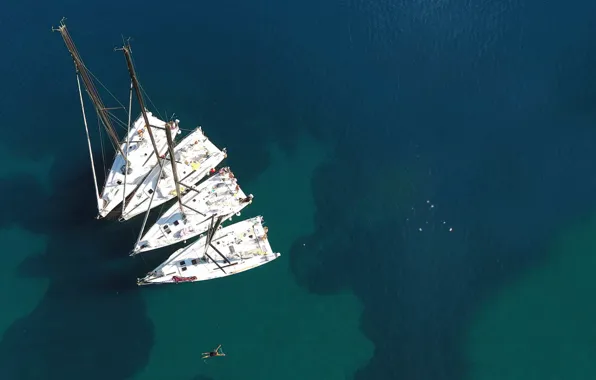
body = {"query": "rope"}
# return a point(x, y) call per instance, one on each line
point(145, 261)
point(119, 122)
point(89, 86)
point(161, 208)
point(144, 92)
point(102, 85)
point(103, 157)
point(151, 101)
point(149, 206)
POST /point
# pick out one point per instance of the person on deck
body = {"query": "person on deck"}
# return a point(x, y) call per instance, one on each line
point(247, 199)
point(216, 352)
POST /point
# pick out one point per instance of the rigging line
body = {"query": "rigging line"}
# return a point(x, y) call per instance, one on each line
point(105, 88)
point(151, 101)
point(127, 149)
point(161, 208)
point(111, 141)
point(88, 82)
point(152, 104)
point(121, 125)
point(97, 79)
point(119, 122)
point(88, 141)
point(145, 261)
point(114, 116)
point(145, 92)
point(142, 256)
point(103, 156)
point(149, 208)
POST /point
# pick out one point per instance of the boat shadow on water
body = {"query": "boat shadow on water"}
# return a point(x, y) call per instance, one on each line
point(92, 320)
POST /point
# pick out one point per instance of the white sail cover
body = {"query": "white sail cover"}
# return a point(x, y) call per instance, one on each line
point(141, 159)
point(195, 156)
point(219, 195)
point(236, 248)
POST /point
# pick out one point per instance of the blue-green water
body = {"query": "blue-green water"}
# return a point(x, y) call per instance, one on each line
point(425, 170)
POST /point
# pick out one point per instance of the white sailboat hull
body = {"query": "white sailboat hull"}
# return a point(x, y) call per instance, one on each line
point(243, 245)
point(218, 195)
point(142, 160)
point(195, 157)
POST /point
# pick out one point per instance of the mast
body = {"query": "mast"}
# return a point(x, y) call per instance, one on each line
point(174, 171)
point(89, 145)
point(147, 213)
point(209, 241)
point(127, 148)
point(213, 226)
point(82, 70)
point(171, 153)
point(135, 83)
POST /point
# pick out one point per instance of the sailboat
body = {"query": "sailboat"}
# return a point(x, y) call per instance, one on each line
point(222, 252)
point(145, 175)
point(219, 195)
point(135, 157)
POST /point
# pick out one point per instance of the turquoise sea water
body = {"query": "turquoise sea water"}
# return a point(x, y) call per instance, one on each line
point(425, 170)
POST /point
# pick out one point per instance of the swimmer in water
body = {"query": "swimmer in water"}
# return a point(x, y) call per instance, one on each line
point(216, 352)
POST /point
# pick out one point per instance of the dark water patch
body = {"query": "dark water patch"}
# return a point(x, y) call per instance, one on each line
point(91, 320)
point(506, 163)
point(420, 290)
point(73, 332)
